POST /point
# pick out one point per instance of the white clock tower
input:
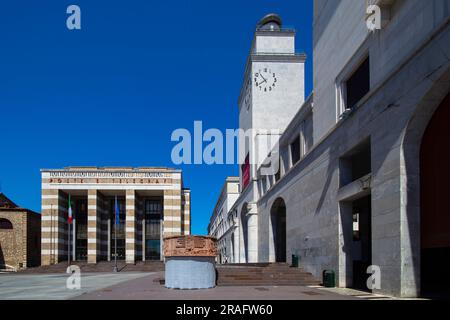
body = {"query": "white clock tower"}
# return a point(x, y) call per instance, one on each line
point(273, 87)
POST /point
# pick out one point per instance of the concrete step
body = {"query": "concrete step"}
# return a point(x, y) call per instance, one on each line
point(102, 266)
point(278, 274)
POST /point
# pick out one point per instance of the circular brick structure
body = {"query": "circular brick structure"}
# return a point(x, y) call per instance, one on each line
point(190, 262)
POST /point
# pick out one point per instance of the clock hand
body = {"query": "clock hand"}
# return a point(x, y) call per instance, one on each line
point(265, 80)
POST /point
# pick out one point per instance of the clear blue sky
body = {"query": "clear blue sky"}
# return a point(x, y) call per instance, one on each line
point(112, 93)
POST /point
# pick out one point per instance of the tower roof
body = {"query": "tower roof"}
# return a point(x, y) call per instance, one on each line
point(271, 21)
point(6, 203)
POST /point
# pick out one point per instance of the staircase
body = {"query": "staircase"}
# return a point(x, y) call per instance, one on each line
point(263, 274)
point(102, 266)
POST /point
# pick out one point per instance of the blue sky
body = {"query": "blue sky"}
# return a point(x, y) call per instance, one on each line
point(111, 93)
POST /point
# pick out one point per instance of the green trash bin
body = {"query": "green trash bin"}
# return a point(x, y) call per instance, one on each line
point(295, 261)
point(329, 279)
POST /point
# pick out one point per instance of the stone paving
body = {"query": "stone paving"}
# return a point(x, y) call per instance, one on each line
point(146, 286)
point(149, 288)
point(53, 286)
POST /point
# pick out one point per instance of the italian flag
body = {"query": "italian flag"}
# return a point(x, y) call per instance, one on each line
point(70, 212)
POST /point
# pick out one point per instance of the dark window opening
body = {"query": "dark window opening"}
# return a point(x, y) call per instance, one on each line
point(79, 208)
point(278, 174)
point(356, 164)
point(5, 224)
point(153, 215)
point(295, 150)
point(358, 85)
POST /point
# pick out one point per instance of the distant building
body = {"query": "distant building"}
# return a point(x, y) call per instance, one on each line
point(152, 203)
point(20, 236)
point(220, 226)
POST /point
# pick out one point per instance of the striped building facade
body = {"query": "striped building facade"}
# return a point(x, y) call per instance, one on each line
point(152, 202)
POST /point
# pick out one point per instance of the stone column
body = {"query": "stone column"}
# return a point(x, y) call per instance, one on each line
point(138, 225)
point(143, 238)
point(53, 226)
point(241, 241)
point(236, 245)
point(109, 239)
point(252, 225)
point(130, 227)
point(186, 207)
point(172, 213)
point(93, 226)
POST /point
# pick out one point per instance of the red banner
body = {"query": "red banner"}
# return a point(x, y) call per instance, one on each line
point(245, 170)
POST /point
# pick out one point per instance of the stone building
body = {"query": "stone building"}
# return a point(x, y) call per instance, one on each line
point(364, 160)
point(220, 225)
point(20, 231)
point(152, 204)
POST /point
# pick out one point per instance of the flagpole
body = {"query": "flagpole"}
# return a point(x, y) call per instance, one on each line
point(68, 242)
point(115, 235)
point(69, 217)
point(115, 248)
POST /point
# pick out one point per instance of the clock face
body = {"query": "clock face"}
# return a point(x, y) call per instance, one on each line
point(265, 80)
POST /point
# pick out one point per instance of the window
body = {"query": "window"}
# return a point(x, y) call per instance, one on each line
point(153, 210)
point(153, 207)
point(358, 85)
point(5, 224)
point(278, 174)
point(295, 150)
point(355, 164)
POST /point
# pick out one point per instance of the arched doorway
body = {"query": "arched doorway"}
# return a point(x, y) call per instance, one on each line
point(435, 215)
point(278, 223)
point(244, 232)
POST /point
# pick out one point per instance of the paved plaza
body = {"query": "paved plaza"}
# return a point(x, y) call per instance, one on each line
point(146, 286)
point(53, 286)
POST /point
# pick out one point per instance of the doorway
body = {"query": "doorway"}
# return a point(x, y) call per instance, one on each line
point(153, 214)
point(117, 230)
point(435, 216)
point(362, 241)
point(80, 217)
point(278, 222)
point(356, 217)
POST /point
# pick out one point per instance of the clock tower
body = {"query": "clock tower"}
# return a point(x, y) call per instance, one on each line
point(273, 87)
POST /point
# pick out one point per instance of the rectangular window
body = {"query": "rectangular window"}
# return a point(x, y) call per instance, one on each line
point(358, 84)
point(278, 174)
point(295, 150)
point(356, 163)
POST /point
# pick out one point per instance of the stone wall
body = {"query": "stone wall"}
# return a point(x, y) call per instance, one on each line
point(20, 246)
point(314, 195)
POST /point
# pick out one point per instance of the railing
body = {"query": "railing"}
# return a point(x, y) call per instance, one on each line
point(284, 29)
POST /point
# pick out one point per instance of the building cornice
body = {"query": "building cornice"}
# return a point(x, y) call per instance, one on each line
point(113, 169)
point(278, 57)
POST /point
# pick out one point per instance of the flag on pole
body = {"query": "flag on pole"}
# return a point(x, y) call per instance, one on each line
point(70, 211)
point(116, 207)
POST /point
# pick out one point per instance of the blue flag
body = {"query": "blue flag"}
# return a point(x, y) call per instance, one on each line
point(116, 208)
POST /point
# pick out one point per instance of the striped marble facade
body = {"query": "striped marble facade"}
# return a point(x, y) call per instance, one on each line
point(99, 186)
